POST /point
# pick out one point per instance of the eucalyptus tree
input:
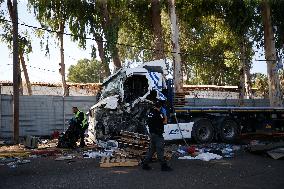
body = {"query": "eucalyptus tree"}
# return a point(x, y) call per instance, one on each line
point(178, 76)
point(23, 40)
point(243, 20)
point(275, 94)
point(209, 48)
point(53, 14)
point(99, 19)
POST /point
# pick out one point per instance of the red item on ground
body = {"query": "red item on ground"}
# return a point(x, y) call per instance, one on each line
point(55, 135)
point(191, 149)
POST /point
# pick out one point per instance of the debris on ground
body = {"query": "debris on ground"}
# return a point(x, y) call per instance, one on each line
point(31, 142)
point(14, 154)
point(207, 156)
point(13, 162)
point(133, 145)
point(61, 158)
point(118, 162)
point(96, 154)
point(273, 149)
point(127, 151)
point(207, 152)
point(108, 145)
point(277, 153)
point(45, 143)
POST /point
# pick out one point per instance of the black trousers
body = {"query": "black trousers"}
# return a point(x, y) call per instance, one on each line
point(82, 136)
point(157, 145)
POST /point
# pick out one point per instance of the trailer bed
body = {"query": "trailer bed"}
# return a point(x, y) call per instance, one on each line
point(228, 109)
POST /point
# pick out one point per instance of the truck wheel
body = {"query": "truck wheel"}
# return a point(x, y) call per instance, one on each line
point(202, 131)
point(229, 131)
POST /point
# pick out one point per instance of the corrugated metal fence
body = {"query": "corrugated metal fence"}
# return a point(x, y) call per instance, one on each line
point(40, 115)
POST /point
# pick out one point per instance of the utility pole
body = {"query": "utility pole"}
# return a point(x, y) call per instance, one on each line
point(16, 75)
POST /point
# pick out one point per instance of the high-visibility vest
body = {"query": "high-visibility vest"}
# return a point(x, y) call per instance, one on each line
point(85, 121)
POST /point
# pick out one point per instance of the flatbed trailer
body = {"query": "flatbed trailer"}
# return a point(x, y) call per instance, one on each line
point(224, 123)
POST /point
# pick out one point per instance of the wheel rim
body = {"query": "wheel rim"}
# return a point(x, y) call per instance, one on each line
point(203, 133)
point(228, 131)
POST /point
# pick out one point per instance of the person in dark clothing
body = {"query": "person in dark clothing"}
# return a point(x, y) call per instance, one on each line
point(81, 124)
point(155, 123)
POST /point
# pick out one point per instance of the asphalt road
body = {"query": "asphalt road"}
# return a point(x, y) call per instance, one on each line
point(244, 171)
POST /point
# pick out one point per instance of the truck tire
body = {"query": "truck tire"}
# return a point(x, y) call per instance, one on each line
point(229, 131)
point(202, 131)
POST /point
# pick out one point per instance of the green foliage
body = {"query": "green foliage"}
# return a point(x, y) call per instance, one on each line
point(212, 32)
point(6, 36)
point(212, 52)
point(277, 8)
point(137, 29)
point(260, 82)
point(86, 71)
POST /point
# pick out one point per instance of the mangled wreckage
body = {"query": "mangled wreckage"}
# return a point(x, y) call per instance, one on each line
point(125, 98)
point(127, 95)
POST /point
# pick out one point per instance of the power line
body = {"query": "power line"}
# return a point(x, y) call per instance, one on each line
point(38, 68)
point(128, 45)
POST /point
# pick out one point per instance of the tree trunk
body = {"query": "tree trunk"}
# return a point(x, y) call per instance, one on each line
point(157, 30)
point(100, 44)
point(27, 79)
point(270, 56)
point(178, 78)
point(245, 78)
point(62, 64)
point(106, 23)
point(21, 57)
point(13, 9)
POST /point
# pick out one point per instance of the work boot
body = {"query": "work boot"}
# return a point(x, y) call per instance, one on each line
point(165, 167)
point(146, 167)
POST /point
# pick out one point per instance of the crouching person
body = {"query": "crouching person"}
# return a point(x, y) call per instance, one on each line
point(155, 123)
point(81, 123)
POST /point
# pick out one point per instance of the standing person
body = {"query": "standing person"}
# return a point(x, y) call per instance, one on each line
point(156, 129)
point(81, 124)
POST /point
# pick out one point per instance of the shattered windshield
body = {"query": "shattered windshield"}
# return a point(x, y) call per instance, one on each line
point(113, 87)
point(134, 87)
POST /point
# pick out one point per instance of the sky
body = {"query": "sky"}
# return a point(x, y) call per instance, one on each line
point(39, 64)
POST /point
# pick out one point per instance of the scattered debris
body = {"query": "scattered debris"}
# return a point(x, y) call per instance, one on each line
point(61, 158)
point(207, 152)
point(133, 145)
point(262, 146)
point(118, 162)
point(277, 153)
point(44, 152)
point(207, 156)
point(31, 142)
point(108, 145)
point(273, 149)
point(45, 143)
point(14, 154)
point(14, 162)
point(96, 154)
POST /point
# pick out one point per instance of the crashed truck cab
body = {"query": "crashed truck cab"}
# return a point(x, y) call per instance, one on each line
point(125, 98)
